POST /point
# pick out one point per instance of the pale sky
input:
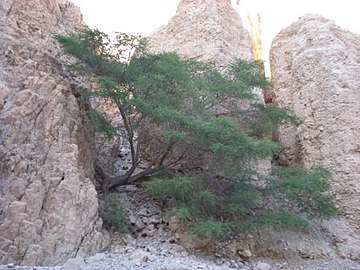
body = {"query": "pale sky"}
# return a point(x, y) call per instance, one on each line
point(145, 16)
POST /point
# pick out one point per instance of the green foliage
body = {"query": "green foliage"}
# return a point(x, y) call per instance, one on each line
point(281, 221)
point(102, 125)
point(195, 203)
point(212, 209)
point(179, 188)
point(211, 228)
point(307, 189)
point(197, 111)
point(250, 74)
point(200, 201)
point(112, 215)
point(240, 200)
point(267, 120)
point(183, 213)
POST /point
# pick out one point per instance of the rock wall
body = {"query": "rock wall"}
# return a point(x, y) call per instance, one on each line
point(48, 203)
point(205, 29)
point(315, 68)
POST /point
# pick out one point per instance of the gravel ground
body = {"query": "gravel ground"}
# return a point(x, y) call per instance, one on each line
point(119, 262)
point(159, 252)
point(175, 259)
point(338, 264)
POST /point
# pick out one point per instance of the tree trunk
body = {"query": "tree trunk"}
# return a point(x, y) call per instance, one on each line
point(128, 178)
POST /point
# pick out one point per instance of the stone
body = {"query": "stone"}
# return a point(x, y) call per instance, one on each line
point(174, 223)
point(139, 255)
point(74, 264)
point(154, 220)
point(315, 70)
point(145, 220)
point(139, 225)
point(148, 232)
point(127, 238)
point(98, 257)
point(263, 266)
point(209, 30)
point(132, 219)
point(49, 206)
point(152, 250)
point(143, 212)
point(244, 254)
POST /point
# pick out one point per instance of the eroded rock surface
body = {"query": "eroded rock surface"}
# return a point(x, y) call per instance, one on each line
point(209, 30)
point(48, 203)
point(316, 72)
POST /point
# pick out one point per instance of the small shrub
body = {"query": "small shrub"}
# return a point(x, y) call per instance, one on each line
point(306, 189)
point(113, 215)
point(180, 188)
point(267, 119)
point(102, 125)
point(211, 228)
point(281, 221)
point(183, 213)
point(240, 200)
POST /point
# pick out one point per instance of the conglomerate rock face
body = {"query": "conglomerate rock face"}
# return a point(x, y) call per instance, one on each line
point(48, 203)
point(315, 68)
point(205, 29)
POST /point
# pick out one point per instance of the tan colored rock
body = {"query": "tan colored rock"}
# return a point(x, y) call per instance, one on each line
point(316, 73)
point(263, 266)
point(209, 30)
point(74, 264)
point(48, 203)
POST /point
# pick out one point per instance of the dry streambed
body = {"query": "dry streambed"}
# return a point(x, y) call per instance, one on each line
point(153, 245)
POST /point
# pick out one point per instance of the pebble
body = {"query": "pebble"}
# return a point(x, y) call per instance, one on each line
point(263, 266)
point(74, 264)
point(96, 258)
point(139, 225)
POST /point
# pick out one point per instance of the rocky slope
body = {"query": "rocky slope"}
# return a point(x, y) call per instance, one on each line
point(316, 72)
point(48, 203)
point(154, 245)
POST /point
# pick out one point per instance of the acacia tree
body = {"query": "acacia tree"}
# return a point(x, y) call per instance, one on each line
point(189, 108)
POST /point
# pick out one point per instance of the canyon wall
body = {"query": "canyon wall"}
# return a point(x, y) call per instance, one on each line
point(48, 203)
point(204, 29)
point(315, 68)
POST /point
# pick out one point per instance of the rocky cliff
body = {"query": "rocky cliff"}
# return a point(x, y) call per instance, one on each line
point(205, 29)
point(315, 68)
point(48, 203)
